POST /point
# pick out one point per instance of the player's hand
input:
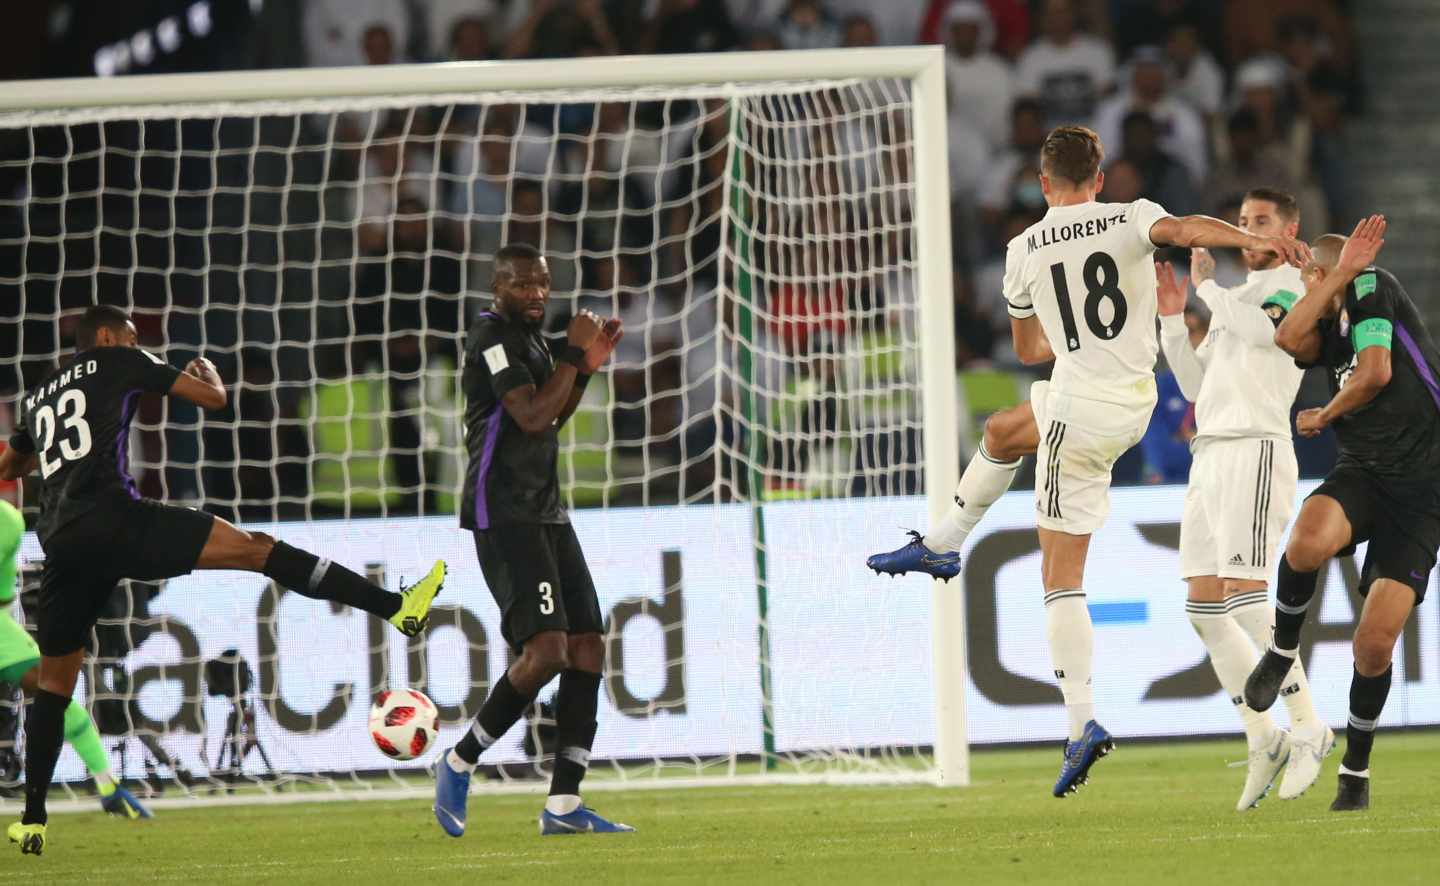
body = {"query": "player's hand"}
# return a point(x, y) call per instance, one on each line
point(604, 345)
point(1310, 422)
point(584, 328)
point(1292, 252)
point(1202, 265)
point(1364, 244)
point(1170, 290)
point(202, 369)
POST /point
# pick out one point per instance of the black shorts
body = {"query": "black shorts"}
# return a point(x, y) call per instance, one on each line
point(88, 557)
point(538, 577)
point(1403, 529)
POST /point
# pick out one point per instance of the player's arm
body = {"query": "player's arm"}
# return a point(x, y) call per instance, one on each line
point(200, 384)
point(1371, 375)
point(15, 464)
point(595, 357)
point(1202, 230)
point(536, 408)
point(1031, 345)
point(1174, 334)
point(1299, 333)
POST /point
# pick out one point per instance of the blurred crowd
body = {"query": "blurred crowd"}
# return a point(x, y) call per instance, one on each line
point(1196, 101)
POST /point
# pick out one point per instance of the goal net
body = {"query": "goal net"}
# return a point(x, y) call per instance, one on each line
point(761, 427)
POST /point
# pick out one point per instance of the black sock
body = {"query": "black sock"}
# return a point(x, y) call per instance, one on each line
point(575, 707)
point(1293, 591)
point(503, 706)
point(44, 734)
point(310, 576)
point(1367, 700)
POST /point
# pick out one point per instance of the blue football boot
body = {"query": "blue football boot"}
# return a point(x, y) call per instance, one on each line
point(1080, 755)
point(123, 803)
point(915, 557)
point(581, 821)
point(452, 791)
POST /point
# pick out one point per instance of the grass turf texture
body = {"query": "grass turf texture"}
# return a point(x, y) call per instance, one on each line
point(1152, 814)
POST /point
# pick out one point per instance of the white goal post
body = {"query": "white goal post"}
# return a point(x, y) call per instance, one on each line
point(787, 92)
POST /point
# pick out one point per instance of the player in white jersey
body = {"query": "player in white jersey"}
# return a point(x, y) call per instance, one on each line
point(1082, 277)
point(1242, 484)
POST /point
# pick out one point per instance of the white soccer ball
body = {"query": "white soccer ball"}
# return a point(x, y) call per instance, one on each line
point(403, 723)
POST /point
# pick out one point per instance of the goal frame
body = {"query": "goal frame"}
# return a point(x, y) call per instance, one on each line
point(923, 67)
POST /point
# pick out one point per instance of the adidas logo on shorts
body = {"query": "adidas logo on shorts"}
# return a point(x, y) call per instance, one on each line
point(1237, 560)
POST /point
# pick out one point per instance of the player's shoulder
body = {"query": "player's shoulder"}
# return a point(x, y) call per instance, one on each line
point(488, 325)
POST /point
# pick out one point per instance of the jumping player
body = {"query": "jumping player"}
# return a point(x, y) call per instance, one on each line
point(1358, 322)
point(96, 529)
point(1082, 277)
point(1242, 484)
point(517, 398)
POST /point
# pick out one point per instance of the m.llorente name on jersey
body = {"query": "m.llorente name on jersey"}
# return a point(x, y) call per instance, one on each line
point(1076, 231)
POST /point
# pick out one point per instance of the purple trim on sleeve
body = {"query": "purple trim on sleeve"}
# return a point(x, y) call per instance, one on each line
point(1422, 368)
point(122, 444)
point(487, 454)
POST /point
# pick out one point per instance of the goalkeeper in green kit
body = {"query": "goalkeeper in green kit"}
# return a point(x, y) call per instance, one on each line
point(19, 665)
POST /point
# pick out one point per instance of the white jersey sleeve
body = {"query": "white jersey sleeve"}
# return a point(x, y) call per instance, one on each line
point(1142, 215)
point(1017, 294)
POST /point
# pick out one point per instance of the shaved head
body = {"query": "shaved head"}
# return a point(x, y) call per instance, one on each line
point(1326, 250)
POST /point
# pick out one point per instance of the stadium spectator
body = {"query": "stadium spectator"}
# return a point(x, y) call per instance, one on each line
point(1180, 128)
point(1124, 182)
point(1068, 71)
point(1247, 163)
point(1011, 19)
point(979, 86)
point(807, 24)
point(334, 28)
point(437, 23)
point(394, 166)
point(377, 45)
point(689, 26)
point(1195, 75)
point(1011, 179)
point(469, 40)
point(556, 30)
point(1255, 28)
point(1150, 22)
point(1165, 179)
point(894, 23)
point(858, 32)
point(1262, 86)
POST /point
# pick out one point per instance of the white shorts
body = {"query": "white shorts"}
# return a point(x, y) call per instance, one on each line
point(1080, 441)
point(1241, 495)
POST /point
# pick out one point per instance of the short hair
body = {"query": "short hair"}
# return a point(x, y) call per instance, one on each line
point(96, 318)
point(1285, 205)
point(513, 252)
point(1326, 251)
point(1073, 153)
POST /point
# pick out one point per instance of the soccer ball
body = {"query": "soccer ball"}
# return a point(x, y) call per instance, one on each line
point(403, 723)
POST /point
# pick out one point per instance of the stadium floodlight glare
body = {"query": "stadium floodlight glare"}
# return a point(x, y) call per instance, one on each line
point(774, 229)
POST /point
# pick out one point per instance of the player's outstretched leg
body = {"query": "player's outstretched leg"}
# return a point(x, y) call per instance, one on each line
point(543, 656)
point(1009, 436)
point(1311, 740)
point(230, 547)
point(81, 734)
point(1293, 592)
point(576, 704)
point(1388, 605)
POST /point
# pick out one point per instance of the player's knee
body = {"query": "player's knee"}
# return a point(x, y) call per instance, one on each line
point(1004, 435)
point(587, 652)
point(1307, 553)
point(1373, 649)
point(548, 653)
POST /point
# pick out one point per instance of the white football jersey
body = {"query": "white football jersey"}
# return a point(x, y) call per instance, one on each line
point(1087, 271)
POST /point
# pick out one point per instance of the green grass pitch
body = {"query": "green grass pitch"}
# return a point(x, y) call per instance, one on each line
point(1153, 814)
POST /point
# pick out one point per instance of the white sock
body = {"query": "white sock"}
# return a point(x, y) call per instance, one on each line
point(562, 804)
point(1233, 657)
point(1072, 647)
point(984, 481)
point(1251, 610)
point(458, 764)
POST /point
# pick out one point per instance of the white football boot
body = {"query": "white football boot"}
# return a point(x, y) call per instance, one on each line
point(1308, 751)
point(1265, 765)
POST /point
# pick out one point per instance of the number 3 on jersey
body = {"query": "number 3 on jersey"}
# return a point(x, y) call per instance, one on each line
point(547, 598)
point(70, 409)
point(1101, 285)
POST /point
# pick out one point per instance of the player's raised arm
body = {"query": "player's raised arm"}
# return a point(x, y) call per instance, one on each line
point(595, 357)
point(1202, 230)
point(200, 384)
point(1174, 334)
point(535, 409)
point(1336, 261)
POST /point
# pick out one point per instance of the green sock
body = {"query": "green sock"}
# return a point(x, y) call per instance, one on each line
point(12, 528)
point(80, 732)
